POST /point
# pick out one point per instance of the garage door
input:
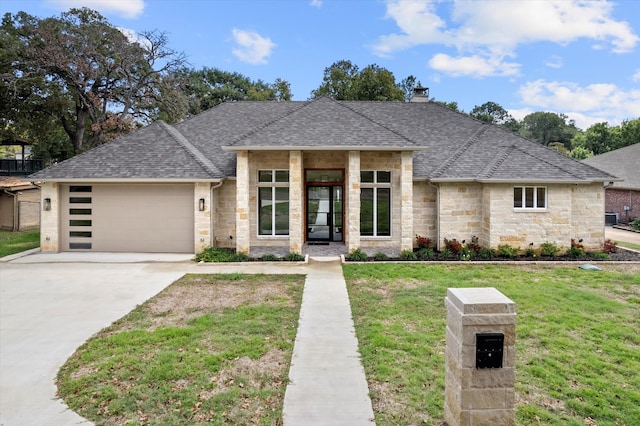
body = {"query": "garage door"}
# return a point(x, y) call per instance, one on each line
point(128, 218)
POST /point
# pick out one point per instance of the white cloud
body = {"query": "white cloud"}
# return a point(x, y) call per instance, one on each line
point(586, 105)
point(127, 8)
point(473, 66)
point(316, 3)
point(133, 37)
point(494, 29)
point(636, 76)
point(554, 61)
point(252, 47)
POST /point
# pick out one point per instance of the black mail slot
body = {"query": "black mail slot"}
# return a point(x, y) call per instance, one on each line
point(489, 349)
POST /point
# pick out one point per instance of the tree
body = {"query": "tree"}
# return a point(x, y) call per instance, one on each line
point(547, 127)
point(601, 137)
point(343, 81)
point(491, 112)
point(91, 78)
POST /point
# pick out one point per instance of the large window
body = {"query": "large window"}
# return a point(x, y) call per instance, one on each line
point(530, 197)
point(375, 203)
point(273, 202)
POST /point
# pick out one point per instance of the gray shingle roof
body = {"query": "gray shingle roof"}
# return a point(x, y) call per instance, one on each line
point(623, 162)
point(447, 145)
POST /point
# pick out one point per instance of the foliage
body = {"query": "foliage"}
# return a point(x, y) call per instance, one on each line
point(547, 127)
point(602, 137)
point(344, 81)
point(576, 252)
point(530, 252)
point(635, 224)
point(493, 113)
point(217, 254)
point(576, 349)
point(380, 256)
point(181, 358)
point(426, 254)
point(549, 249)
point(453, 246)
point(610, 246)
point(357, 255)
point(293, 257)
point(447, 254)
point(505, 250)
point(269, 257)
point(487, 254)
point(17, 242)
point(408, 255)
point(423, 242)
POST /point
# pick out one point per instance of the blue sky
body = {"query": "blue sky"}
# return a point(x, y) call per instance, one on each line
point(580, 58)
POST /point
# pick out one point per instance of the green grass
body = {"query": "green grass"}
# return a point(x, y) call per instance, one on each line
point(16, 242)
point(628, 245)
point(577, 350)
point(209, 349)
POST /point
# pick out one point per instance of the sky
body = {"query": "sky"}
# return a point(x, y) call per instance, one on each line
point(579, 58)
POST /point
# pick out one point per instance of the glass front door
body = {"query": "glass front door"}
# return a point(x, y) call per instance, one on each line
point(324, 213)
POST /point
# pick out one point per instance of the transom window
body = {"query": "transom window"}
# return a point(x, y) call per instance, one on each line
point(273, 202)
point(530, 197)
point(375, 203)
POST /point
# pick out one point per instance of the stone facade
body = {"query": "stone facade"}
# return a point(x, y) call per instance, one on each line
point(50, 220)
point(478, 396)
point(224, 215)
point(202, 219)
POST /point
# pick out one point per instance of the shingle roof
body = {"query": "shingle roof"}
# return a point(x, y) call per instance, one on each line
point(447, 145)
point(623, 162)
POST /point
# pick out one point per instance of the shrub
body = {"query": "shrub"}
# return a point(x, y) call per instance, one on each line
point(610, 247)
point(380, 256)
point(487, 254)
point(215, 254)
point(635, 223)
point(600, 256)
point(426, 254)
point(293, 257)
point(240, 257)
point(447, 254)
point(423, 242)
point(505, 250)
point(549, 249)
point(576, 252)
point(269, 257)
point(357, 255)
point(474, 245)
point(530, 252)
point(466, 254)
point(453, 245)
point(408, 255)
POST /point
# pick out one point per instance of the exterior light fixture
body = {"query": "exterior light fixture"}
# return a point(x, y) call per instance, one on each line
point(201, 204)
point(47, 204)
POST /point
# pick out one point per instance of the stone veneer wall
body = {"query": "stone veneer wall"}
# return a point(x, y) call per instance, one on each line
point(424, 211)
point(202, 219)
point(50, 220)
point(461, 211)
point(587, 216)
point(224, 217)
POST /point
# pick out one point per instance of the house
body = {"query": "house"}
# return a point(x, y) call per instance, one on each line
point(622, 199)
point(19, 205)
point(277, 176)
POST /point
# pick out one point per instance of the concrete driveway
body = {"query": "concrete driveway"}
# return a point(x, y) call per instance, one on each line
point(49, 309)
point(622, 235)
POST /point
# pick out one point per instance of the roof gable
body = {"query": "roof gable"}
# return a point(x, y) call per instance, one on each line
point(623, 162)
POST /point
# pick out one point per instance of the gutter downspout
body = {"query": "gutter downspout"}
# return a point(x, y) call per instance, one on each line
point(437, 187)
point(15, 210)
point(212, 237)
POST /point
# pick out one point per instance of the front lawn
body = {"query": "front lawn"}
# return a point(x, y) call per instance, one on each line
point(577, 350)
point(209, 349)
point(16, 242)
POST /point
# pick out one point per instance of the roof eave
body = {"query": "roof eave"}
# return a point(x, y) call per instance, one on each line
point(124, 180)
point(324, 148)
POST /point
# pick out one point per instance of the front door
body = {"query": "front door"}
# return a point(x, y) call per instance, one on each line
point(324, 213)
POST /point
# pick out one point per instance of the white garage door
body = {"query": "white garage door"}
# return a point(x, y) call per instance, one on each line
point(128, 218)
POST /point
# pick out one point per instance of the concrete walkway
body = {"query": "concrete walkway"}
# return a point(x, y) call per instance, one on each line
point(51, 303)
point(327, 381)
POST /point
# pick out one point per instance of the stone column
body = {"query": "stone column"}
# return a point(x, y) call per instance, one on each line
point(296, 196)
point(202, 219)
point(406, 201)
point(243, 225)
point(50, 220)
point(353, 201)
point(478, 396)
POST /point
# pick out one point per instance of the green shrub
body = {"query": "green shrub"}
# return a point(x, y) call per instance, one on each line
point(425, 254)
point(466, 254)
point(530, 252)
point(505, 250)
point(357, 255)
point(240, 257)
point(269, 257)
point(447, 254)
point(549, 249)
point(408, 255)
point(487, 254)
point(635, 224)
point(576, 252)
point(293, 257)
point(599, 256)
point(215, 254)
point(380, 256)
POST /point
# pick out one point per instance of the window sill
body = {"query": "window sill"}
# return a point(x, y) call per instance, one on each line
point(529, 210)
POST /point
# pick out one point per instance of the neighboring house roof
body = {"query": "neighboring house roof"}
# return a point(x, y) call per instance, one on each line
point(623, 162)
point(15, 184)
point(447, 145)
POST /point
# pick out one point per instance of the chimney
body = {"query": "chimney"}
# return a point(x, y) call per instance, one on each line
point(420, 94)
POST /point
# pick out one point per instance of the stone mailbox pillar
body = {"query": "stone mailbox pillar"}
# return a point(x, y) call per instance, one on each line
point(480, 358)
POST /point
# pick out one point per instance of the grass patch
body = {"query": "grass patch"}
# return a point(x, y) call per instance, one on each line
point(577, 350)
point(209, 349)
point(631, 246)
point(16, 242)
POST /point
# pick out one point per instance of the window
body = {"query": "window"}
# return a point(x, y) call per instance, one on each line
point(530, 197)
point(273, 202)
point(375, 203)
